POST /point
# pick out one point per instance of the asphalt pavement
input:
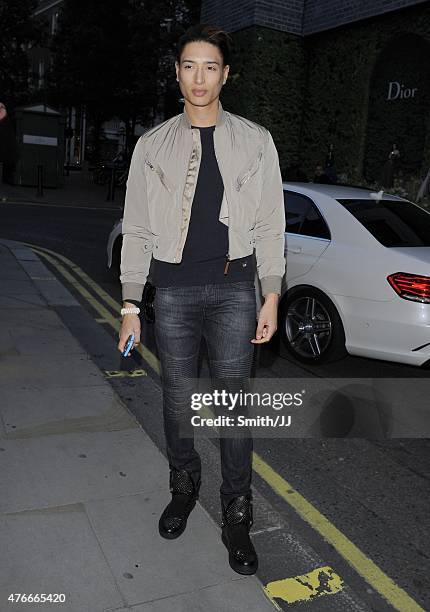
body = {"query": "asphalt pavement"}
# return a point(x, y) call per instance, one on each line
point(78, 189)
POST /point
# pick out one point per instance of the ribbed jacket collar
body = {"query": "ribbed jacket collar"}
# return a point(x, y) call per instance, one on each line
point(186, 123)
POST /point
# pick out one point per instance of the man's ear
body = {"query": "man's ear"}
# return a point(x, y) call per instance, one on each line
point(225, 72)
point(176, 69)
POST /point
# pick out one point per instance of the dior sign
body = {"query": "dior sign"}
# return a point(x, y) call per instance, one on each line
point(397, 91)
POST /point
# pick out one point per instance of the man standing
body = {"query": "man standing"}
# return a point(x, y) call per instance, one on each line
point(8, 146)
point(204, 190)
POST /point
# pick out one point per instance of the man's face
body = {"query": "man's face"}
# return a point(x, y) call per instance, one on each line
point(3, 112)
point(319, 170)
point(200, 73)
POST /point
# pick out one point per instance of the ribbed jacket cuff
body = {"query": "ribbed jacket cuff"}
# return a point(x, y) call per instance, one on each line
point(132, 291)
point(271, 284)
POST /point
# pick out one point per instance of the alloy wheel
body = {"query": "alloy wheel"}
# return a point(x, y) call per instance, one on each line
point(308, 327)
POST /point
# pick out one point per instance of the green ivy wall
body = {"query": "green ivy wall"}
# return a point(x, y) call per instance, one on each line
point(310, 92)
point(266, 85)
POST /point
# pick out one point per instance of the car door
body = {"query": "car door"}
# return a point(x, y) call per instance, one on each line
point(306, 234)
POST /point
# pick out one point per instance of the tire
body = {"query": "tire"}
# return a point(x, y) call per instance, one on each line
point(307, 344)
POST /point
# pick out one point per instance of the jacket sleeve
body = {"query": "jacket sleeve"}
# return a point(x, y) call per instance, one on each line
point(137, 242)
point(270, 223)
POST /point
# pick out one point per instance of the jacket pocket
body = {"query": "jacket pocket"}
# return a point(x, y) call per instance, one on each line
point(250, 169)
point(154, 167)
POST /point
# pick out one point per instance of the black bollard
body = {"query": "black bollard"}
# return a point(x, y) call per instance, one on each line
point(111, 189)
point(40, 181)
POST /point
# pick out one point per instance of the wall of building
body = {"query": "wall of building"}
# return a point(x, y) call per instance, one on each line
point(320, 16)
point(238, 14)
point(266, 84)
point(347, 90)
point(332, 88)
point(295, 16)
point(231, 15)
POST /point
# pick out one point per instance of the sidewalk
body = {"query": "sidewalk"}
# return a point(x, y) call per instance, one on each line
point(78, 190)
point(82, 484)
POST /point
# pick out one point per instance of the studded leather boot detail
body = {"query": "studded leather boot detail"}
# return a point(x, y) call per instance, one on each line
point(173, 521)
point(236, 522)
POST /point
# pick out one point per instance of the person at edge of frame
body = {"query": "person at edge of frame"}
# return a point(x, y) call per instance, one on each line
point(204, 190)
point(8, 145)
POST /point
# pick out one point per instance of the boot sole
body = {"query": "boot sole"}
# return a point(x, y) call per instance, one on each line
point(245, 570)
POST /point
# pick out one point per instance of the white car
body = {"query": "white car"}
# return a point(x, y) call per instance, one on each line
point(358, 275)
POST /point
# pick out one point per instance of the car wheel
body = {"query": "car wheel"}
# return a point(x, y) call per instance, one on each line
point(310, 327)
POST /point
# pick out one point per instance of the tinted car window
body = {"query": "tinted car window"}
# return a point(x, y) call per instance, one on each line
point(303, 217)
point(394, 223)
point(295, 211)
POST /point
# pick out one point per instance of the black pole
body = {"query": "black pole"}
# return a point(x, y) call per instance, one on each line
point(111, 190)
point(39, 181)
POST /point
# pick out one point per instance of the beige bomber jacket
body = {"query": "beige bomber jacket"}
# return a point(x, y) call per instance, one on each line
point(160, 190)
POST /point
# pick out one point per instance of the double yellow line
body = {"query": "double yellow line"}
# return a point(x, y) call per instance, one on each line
point(290, 589)
point(55, 258)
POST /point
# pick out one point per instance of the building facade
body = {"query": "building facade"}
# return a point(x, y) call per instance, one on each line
point(78, 127)
point(351, 75)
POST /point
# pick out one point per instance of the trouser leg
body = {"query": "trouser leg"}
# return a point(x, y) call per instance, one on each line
point(178, 329)
point(229, 325)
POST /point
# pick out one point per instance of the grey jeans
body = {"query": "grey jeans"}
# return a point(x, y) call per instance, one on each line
point(225, 315)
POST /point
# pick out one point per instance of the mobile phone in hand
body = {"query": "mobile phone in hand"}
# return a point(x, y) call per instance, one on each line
point(128, 345)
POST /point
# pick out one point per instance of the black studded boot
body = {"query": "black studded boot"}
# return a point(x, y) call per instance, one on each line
point(236, 523)
point(185, 493)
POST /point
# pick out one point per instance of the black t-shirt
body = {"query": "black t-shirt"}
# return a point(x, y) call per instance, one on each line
point(206, 245)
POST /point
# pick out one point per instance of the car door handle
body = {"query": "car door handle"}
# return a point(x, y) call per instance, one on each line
point(293, 250)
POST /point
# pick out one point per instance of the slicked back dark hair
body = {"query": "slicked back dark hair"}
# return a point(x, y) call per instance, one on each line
point(204, 32)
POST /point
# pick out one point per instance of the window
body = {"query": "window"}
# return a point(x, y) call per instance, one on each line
point(394, 223)
point(54, 23)
point(303, 217)
point(41, 76)
point(295, 211)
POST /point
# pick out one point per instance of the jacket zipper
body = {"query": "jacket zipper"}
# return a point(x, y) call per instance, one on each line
point(160, 173)
point(227, 263)
point(243, 181)
point(179, 248)
point(249, 173)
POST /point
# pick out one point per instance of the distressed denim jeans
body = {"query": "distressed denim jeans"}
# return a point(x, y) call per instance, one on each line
point(225, 316)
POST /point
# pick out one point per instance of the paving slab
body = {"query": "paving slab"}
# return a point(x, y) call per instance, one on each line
point(23, 329)
point(21, 253)
point(17, 286)
point(148, 567)
point(26, 301)
point(55, 470)
point(54, 292)
point(32, 412)
point(243, 594)
point(55, 550)
point(11, 270)
point(61, 370)
point(36, 269)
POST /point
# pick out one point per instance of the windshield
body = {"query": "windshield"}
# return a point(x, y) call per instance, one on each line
point(394, 223)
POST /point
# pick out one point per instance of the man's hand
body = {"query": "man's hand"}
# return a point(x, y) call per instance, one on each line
point(130, 325)
point(267, 320)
